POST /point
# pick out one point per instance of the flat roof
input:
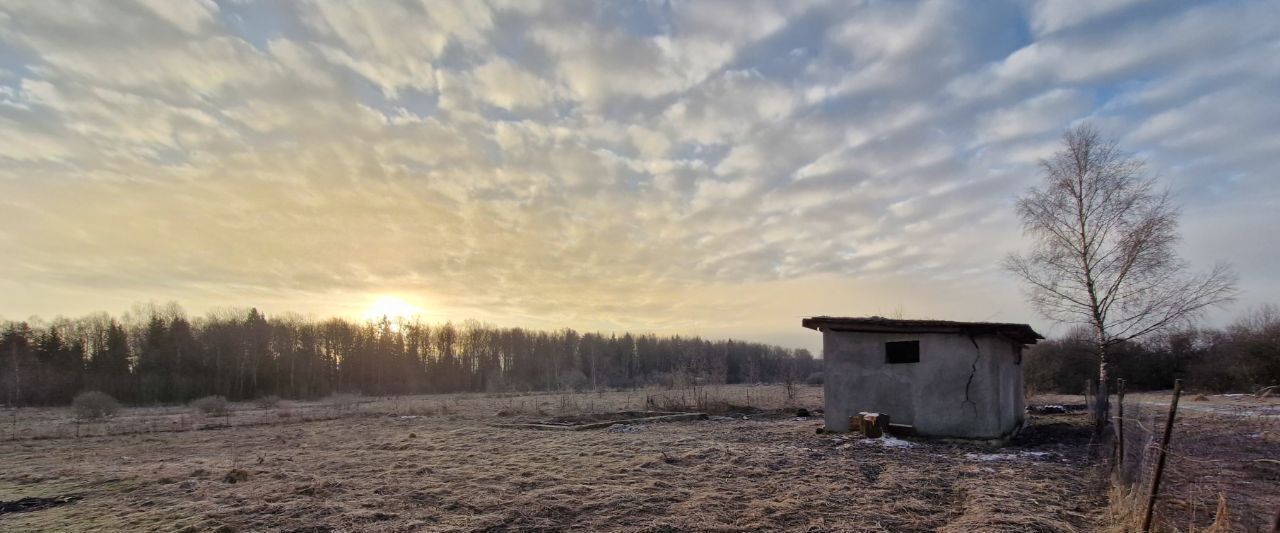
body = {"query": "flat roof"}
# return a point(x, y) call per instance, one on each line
point(876, 324)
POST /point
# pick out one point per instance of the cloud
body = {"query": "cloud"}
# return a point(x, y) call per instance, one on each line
point(1040, 114)
point(685, 166)
point(1115, 52)
point(187, 16)
point(1047, 18)
point(394, 44)
point(502, 84)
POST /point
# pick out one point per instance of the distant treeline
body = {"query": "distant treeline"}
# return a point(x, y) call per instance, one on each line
point(1242, 357)
point(158, 354)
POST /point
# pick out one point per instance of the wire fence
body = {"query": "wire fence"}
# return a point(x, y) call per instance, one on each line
point(42, 423)
point(46, 423)
point(1221, 471)
point(1221, 468)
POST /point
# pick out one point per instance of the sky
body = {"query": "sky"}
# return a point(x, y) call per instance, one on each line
point(713, 168)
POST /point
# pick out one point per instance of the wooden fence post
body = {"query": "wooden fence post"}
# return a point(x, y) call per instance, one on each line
point(1160, 457)
point(1088, 396)
point(1120, 425)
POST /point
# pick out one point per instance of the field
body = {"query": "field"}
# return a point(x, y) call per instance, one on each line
point(439, 463)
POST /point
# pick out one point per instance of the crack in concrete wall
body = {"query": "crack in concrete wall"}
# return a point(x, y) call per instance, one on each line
point(973, 370)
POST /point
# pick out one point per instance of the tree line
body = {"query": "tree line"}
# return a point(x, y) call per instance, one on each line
point(157, 354)
point(1243, 356)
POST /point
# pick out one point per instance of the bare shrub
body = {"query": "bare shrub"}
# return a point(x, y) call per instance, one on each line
point(267, 402)
point(92, 405)
point(236, 475)
point(342, 401)
point(211, 405)
point(569, 404)
point(574, 379)
point(814, 379)
point(695, 399)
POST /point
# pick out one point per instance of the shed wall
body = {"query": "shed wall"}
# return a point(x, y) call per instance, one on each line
point(963, 386)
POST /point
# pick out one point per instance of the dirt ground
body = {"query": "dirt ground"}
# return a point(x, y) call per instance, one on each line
point(381, 467)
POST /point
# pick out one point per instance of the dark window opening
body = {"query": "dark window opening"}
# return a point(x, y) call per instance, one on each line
point(1017, 354)
point(899, 352)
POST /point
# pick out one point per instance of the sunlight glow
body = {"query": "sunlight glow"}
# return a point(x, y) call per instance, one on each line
point(394, 308)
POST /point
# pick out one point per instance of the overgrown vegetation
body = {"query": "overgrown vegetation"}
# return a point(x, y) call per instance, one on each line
point(93, 405)
point(1244, 356)
point(342, 401)
point(211, 405)
point(267, 402)
point(159, 354)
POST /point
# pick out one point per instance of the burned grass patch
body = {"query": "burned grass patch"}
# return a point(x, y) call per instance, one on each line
point(26, 505)
point(1070, 431)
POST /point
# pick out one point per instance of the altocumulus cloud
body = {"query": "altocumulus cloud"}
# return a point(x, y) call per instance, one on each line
point(710, 167)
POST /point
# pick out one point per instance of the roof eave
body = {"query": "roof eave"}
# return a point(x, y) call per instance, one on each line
point(1020, 333)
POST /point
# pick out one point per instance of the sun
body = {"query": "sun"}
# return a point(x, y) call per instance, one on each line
point(394, 308)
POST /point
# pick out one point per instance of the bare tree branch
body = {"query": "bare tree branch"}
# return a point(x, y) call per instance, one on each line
point(1103, 253)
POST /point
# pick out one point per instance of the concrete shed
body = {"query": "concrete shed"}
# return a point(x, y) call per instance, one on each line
point(943, 378)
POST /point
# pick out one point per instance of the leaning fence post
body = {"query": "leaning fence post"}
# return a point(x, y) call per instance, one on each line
point(1120, 425)
point(1160, 456)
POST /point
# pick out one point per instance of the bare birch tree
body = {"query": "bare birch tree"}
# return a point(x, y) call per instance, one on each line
point(1104, 253)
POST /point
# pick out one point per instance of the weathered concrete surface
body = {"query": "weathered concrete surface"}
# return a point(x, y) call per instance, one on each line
point(963, 386)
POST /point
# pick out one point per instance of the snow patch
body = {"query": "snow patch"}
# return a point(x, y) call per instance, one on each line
point(1006, 456)
point(887, 442)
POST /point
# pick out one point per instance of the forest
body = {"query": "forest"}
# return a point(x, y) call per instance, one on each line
point(1243, 356)
point(157, 354)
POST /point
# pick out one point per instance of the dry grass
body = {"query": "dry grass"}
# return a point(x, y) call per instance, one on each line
point(1221, 473)
point(58, 423)
point(1221, 467)
point(438, 464)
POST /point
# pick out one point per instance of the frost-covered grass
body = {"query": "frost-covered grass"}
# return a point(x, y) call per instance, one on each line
point(416, 466)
